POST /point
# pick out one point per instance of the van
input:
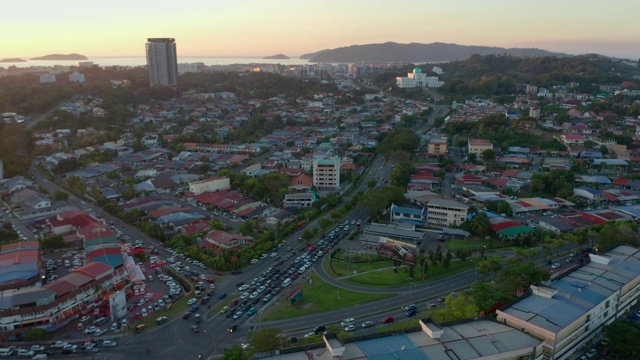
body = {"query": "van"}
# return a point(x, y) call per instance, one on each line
point(100, 321)
point(6, 352)
point(286, 282)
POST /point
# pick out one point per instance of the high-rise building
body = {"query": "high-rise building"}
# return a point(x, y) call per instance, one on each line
point(326, 173)
point(162, 62)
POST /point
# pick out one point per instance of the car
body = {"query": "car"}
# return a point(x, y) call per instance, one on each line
point(412, 312)
point(195, 328)
point(410, 307)
point(90, 330)
point(37, 348)
point(319, 329)
point(237, 315)
point(125, 322)
point(350, 327)
point(222, 296)
point(583, 357)
point(161, 320)
point(26, 352)
point(254, 295)
point(309, 334)
point(387, 320)
point(266, 298)
point(244, 296)
point(367, 324)
point(192, 301)
point(264, 256)
point(251, 311)
point(186, 315)
point(555, 266)
point(244, 287)
point(195, 308)
point(232, 328)
point(591, 353)
point(114, 326)
point(139, 328)
point(109, 343)
point(253, 261)
point(348, 321)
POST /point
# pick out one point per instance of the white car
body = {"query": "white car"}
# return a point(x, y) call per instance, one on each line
point(350, 328)
point(192, 301)
point(591, 353)
point(37, 347)
point(244, 296)
point(555, 266)
point(243, 287)
point(347, 322)
point(109, 343)
point(254, 295)
point(253, 261)
point(237, 315)
point(26, 352)
point(263, 256)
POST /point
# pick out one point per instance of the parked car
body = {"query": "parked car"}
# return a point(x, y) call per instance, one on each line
point(350, 327)
point(109, 343)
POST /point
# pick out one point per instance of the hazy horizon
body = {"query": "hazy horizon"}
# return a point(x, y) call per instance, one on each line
point(251, 28)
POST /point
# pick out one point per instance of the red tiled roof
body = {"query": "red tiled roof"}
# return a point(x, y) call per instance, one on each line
point(95, 269)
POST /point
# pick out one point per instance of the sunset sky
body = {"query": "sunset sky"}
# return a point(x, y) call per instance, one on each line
point(293, 27)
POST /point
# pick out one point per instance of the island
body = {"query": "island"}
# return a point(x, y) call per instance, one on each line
point(277, 57)
point(12, 60)
point(61, 57)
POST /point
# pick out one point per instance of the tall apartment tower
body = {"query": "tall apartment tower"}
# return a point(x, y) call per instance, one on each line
point(162, 62)
point(326, 173)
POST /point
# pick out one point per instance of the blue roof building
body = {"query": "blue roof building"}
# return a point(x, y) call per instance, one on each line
point(408, 215)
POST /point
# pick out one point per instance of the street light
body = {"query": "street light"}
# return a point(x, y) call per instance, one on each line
point(410, 286)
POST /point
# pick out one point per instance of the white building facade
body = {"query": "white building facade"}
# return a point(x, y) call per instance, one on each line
point(326, 173)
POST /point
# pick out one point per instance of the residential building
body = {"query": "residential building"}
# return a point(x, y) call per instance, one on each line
point(162, 62)
point(211, 184)
point(47, 78)
point(573, 139)
point(571, 309)
point(407, 215)
point(437, 145)
point(223, 239)
point(76, 77)
point(326, 173)
point(301, 183)
point(299, 200)
point(477, 146)
point(20, 265)
point(443, 212)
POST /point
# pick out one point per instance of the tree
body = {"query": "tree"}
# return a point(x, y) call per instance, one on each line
point(479, 224)
point(234, 352)
point(488, 155)
point(616, 233)
point(265, 340)
point(371, 184)
point(623, 338)
point(447, 260)
point(60, 195)
point(53, 242)
point(472, 158)
point(492, 265)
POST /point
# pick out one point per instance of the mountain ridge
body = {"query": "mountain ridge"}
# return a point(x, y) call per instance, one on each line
point(417, 52)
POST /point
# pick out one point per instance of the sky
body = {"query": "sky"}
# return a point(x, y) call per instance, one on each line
point(294, 27)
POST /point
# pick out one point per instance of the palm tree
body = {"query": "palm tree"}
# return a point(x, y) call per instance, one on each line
point(480, 225)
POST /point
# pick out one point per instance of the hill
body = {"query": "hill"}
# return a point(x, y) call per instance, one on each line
point(61, 57)
point(277, 57)
point(417, 53)
point(12, 60)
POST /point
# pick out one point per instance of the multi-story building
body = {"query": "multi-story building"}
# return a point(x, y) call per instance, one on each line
point(47, 78)
point(211, 184)
point(162, 62)
point(408, 215)
point(574, 307)
point(417, 79)
point(326, 173)
point(437, 145)
point(76, 77)
point(444, 212)
point(477, 146)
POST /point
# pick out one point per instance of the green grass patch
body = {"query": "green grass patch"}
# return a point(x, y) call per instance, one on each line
point(474, 245)
point(387, 278)
point(349, 265)
point(317, 297)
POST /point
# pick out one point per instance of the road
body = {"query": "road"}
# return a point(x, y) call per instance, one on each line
point(175, 339)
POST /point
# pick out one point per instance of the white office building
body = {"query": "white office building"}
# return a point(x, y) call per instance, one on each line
point(47, 78)
point(76, 77)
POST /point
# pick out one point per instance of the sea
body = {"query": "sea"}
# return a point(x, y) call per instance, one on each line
point(139, 61)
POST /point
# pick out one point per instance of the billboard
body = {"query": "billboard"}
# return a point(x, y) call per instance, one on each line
point(118, 305)
point(398, 250)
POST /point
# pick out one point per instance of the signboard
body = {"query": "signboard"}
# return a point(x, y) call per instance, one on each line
point(118, 305)
point(398, 250)
point(294, 296)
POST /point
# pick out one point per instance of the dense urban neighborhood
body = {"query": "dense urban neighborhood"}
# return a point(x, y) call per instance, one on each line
point(483, 208)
